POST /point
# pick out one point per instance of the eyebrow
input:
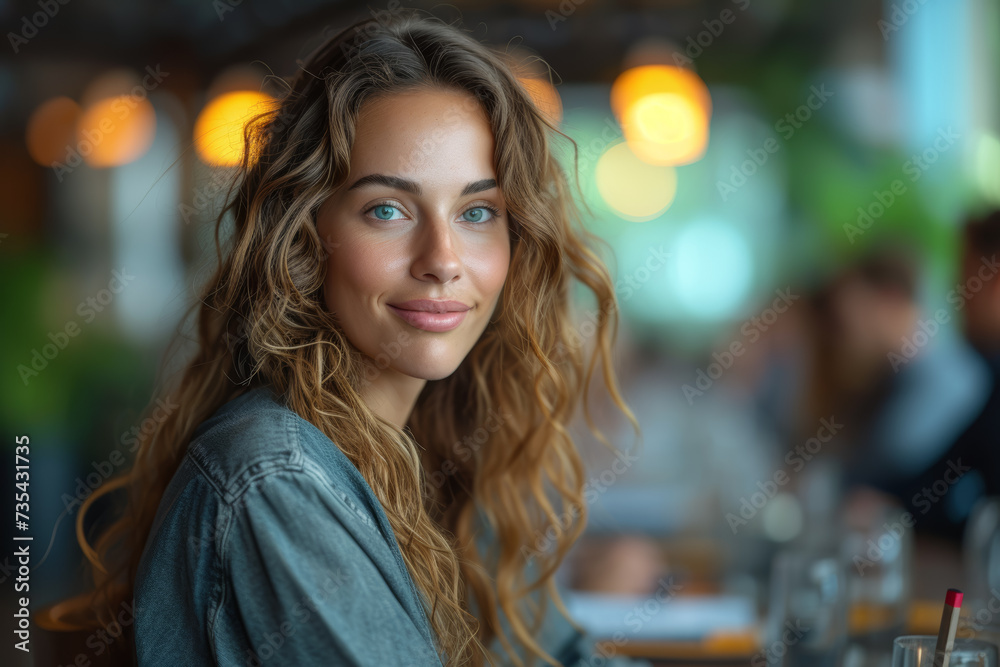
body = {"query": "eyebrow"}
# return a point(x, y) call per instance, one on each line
point(413, 187)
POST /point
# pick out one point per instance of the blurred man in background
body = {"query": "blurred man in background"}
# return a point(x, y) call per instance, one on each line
point(943, 495)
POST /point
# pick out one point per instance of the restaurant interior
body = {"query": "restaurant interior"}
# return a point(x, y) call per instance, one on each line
point(800, 201)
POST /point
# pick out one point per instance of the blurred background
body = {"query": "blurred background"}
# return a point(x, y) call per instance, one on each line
point(798, 202)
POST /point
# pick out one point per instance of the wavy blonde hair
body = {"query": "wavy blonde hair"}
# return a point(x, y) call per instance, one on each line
point(262, 320)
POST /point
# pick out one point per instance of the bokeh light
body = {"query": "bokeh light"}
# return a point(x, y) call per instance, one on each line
point(51, 130)
point(218, 132)
point(666, 128)
point(664, 112)
point(636, 190)
point(115, 131)
point(714, 268)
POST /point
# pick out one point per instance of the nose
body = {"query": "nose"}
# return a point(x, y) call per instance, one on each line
point(436, 251)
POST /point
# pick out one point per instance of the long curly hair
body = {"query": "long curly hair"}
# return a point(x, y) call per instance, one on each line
point(262, 320)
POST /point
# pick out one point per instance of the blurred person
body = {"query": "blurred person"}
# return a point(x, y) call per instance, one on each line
point(397, 282)
point(889, 413)
point(627, 564)
point(941, 495)
point(856, 320)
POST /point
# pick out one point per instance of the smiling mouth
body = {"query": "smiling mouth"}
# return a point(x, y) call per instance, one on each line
point(434, 322)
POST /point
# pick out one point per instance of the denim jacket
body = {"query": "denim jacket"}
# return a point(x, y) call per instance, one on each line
point(269, 548)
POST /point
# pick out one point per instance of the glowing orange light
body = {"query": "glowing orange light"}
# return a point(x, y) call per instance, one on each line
point(666, 129)
point(664, 112)
point(218, 132)
point(115, 131)
point(645, 80)
point(51, 131)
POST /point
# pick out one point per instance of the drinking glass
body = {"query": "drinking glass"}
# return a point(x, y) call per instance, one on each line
point(807, 620)
point(879, 558)
point(918, 651)
point(981, 553)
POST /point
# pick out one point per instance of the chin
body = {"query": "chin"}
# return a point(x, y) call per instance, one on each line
point(424, 364)
point(431, 372)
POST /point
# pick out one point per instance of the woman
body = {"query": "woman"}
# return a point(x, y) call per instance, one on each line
point(369, 463)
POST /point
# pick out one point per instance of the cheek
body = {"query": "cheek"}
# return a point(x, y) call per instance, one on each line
point(492, 269)
point(356, 272)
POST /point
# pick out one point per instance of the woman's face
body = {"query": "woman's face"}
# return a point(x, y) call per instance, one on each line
point(413, 222)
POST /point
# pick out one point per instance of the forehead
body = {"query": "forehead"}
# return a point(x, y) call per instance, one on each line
point(423, 134)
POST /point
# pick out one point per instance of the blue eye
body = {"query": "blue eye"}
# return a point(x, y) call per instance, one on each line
point(383, 209)
point(494, 213)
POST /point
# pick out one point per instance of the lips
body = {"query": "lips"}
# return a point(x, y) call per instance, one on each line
point(432, 305)
point(432, 321)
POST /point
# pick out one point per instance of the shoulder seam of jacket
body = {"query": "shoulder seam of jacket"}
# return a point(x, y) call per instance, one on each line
point(265, 467)
point(222, 537)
